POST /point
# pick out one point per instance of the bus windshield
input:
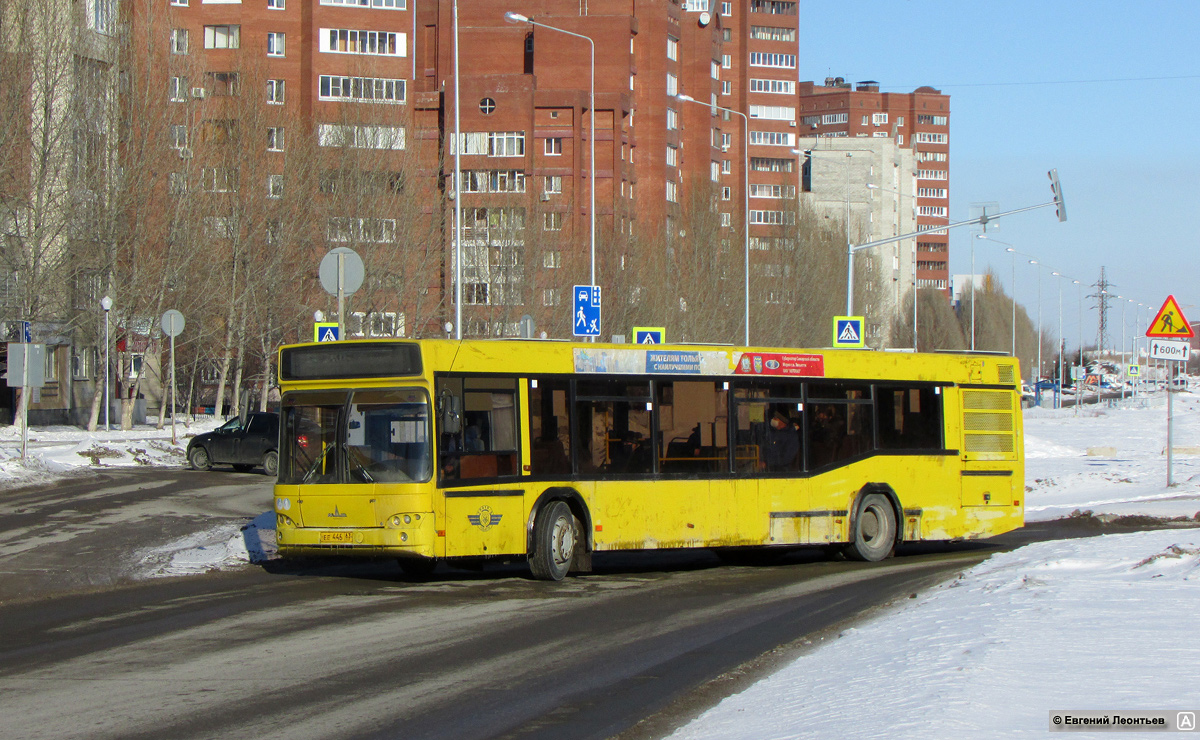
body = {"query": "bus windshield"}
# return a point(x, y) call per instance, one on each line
point(368, 436)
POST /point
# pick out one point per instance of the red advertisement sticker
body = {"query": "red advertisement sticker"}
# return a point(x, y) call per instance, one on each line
point(778, 363)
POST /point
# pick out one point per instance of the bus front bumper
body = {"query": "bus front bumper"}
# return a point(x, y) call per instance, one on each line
point(417, 537)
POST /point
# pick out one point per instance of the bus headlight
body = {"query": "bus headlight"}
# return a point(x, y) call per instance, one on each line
point(404, 536)
point(283, 504)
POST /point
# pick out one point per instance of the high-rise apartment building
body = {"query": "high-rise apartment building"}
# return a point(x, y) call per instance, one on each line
point(368, 108)
point(919, 121)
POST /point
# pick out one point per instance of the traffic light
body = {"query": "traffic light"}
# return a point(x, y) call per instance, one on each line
point(1056, 187)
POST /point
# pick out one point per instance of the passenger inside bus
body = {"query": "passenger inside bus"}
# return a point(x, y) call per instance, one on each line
point(780, 446)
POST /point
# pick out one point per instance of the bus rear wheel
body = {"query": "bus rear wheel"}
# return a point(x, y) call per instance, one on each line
point(874, 534)
point(554, 540)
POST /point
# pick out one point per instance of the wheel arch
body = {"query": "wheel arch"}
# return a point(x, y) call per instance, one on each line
point(578, 507)
point(886, 491)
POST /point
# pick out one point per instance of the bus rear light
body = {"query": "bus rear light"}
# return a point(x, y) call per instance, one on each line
point(1016, 503)
point(302, 441)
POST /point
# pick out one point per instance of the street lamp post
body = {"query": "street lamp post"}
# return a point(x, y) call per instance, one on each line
point(1061, 347)
point(1039, 331)
point(745, 198)
point(106, 303)
point(458, 145)
point(1014, 299)
point(518, 18)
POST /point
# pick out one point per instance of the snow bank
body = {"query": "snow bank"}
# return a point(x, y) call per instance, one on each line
point(1099, 623)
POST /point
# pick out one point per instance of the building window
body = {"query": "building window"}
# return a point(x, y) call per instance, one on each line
point(276, 4)
point(937, 211)
point(773, 7)
point(553, 184)
point(361, 136)
point(176, 183)
point(672, 191)
point(178, 90)
point(506, 143)
point(927, 138)
point(372, 230)
point(931, 192)
point(727, 9)
point(552, 221)
point(275, 90)
point(768, 59)
point(771, 138)
point(672, 120)
point(726, 87)
point(179, 3)
point(832, 118)
point(715, 70)
point(362, 89)
point(932, 174)
point(487, 106)
point(371, 43)
point(780, 87)
point(553, 146)
point(672, 156)
point(774, 218)
point(378, 4)
point(274, 186)
point(672, 85)
point(726, 193)
point(879, 119)
point(222, 37)
point(672, 49)
point(770, 164)
point(179, 41)
point(551, 297)
point(219, 179)
point(726, 219)
point(726, 167)
point(714, 170)
point(773, 112)
point(179, 136)
point(772, 33)
point(275, 44)
point(726, 61)
point(772, 191)
point(275, 139)
point(552, 260)
point(932, 120)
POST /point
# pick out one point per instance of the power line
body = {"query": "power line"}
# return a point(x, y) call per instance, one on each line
point(1048, 82)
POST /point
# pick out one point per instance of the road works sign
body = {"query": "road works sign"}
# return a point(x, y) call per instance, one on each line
point(848, 332)
point(1170, 322)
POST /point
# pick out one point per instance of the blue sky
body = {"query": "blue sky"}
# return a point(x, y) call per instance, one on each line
point(1107, 92)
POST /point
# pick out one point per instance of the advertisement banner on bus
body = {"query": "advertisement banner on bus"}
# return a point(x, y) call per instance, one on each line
point(779, 363)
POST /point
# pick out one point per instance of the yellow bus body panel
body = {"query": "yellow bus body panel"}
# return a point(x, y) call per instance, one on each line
point(959, 494)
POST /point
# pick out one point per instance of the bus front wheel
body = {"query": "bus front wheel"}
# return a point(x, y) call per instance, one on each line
point(874, 530)
point(554, 539)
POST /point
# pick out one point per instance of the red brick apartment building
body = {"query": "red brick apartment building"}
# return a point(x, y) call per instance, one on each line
point(379, 75)
point(919, 120)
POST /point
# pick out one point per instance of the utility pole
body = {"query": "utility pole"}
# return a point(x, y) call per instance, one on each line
point(1101, 296)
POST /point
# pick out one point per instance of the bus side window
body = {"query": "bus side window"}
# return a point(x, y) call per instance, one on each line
point(908, 418)
point(613, 423)
point(840, 423)
point(549, 427)
point(477, 435)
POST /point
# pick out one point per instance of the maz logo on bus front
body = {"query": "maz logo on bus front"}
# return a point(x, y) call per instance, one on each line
point(336, 514)
point(485, 518)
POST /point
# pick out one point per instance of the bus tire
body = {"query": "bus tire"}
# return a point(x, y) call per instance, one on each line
point(555, 538)
point(873, 537)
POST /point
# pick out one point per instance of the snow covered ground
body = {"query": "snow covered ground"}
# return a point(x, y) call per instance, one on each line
point(1099, 623)
point(1103, 623)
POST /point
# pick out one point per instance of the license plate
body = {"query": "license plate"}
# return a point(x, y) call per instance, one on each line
point(337, 538)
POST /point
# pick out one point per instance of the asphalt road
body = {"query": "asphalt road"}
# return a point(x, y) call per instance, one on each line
point(332, 650)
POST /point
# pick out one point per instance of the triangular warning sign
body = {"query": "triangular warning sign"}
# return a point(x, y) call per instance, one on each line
point(848, 334)
point(1170, 322)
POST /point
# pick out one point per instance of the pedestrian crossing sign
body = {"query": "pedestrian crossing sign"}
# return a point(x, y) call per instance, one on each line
point(1170, 322)
point(325, 332)
point(848, 332)
point(649, 334)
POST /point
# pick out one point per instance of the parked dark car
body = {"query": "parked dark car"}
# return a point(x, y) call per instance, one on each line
point(244, 447)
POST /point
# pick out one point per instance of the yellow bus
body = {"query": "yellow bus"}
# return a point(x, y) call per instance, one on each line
point(545, 451)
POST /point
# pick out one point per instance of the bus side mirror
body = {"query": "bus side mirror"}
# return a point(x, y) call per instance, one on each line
point(449, 408)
